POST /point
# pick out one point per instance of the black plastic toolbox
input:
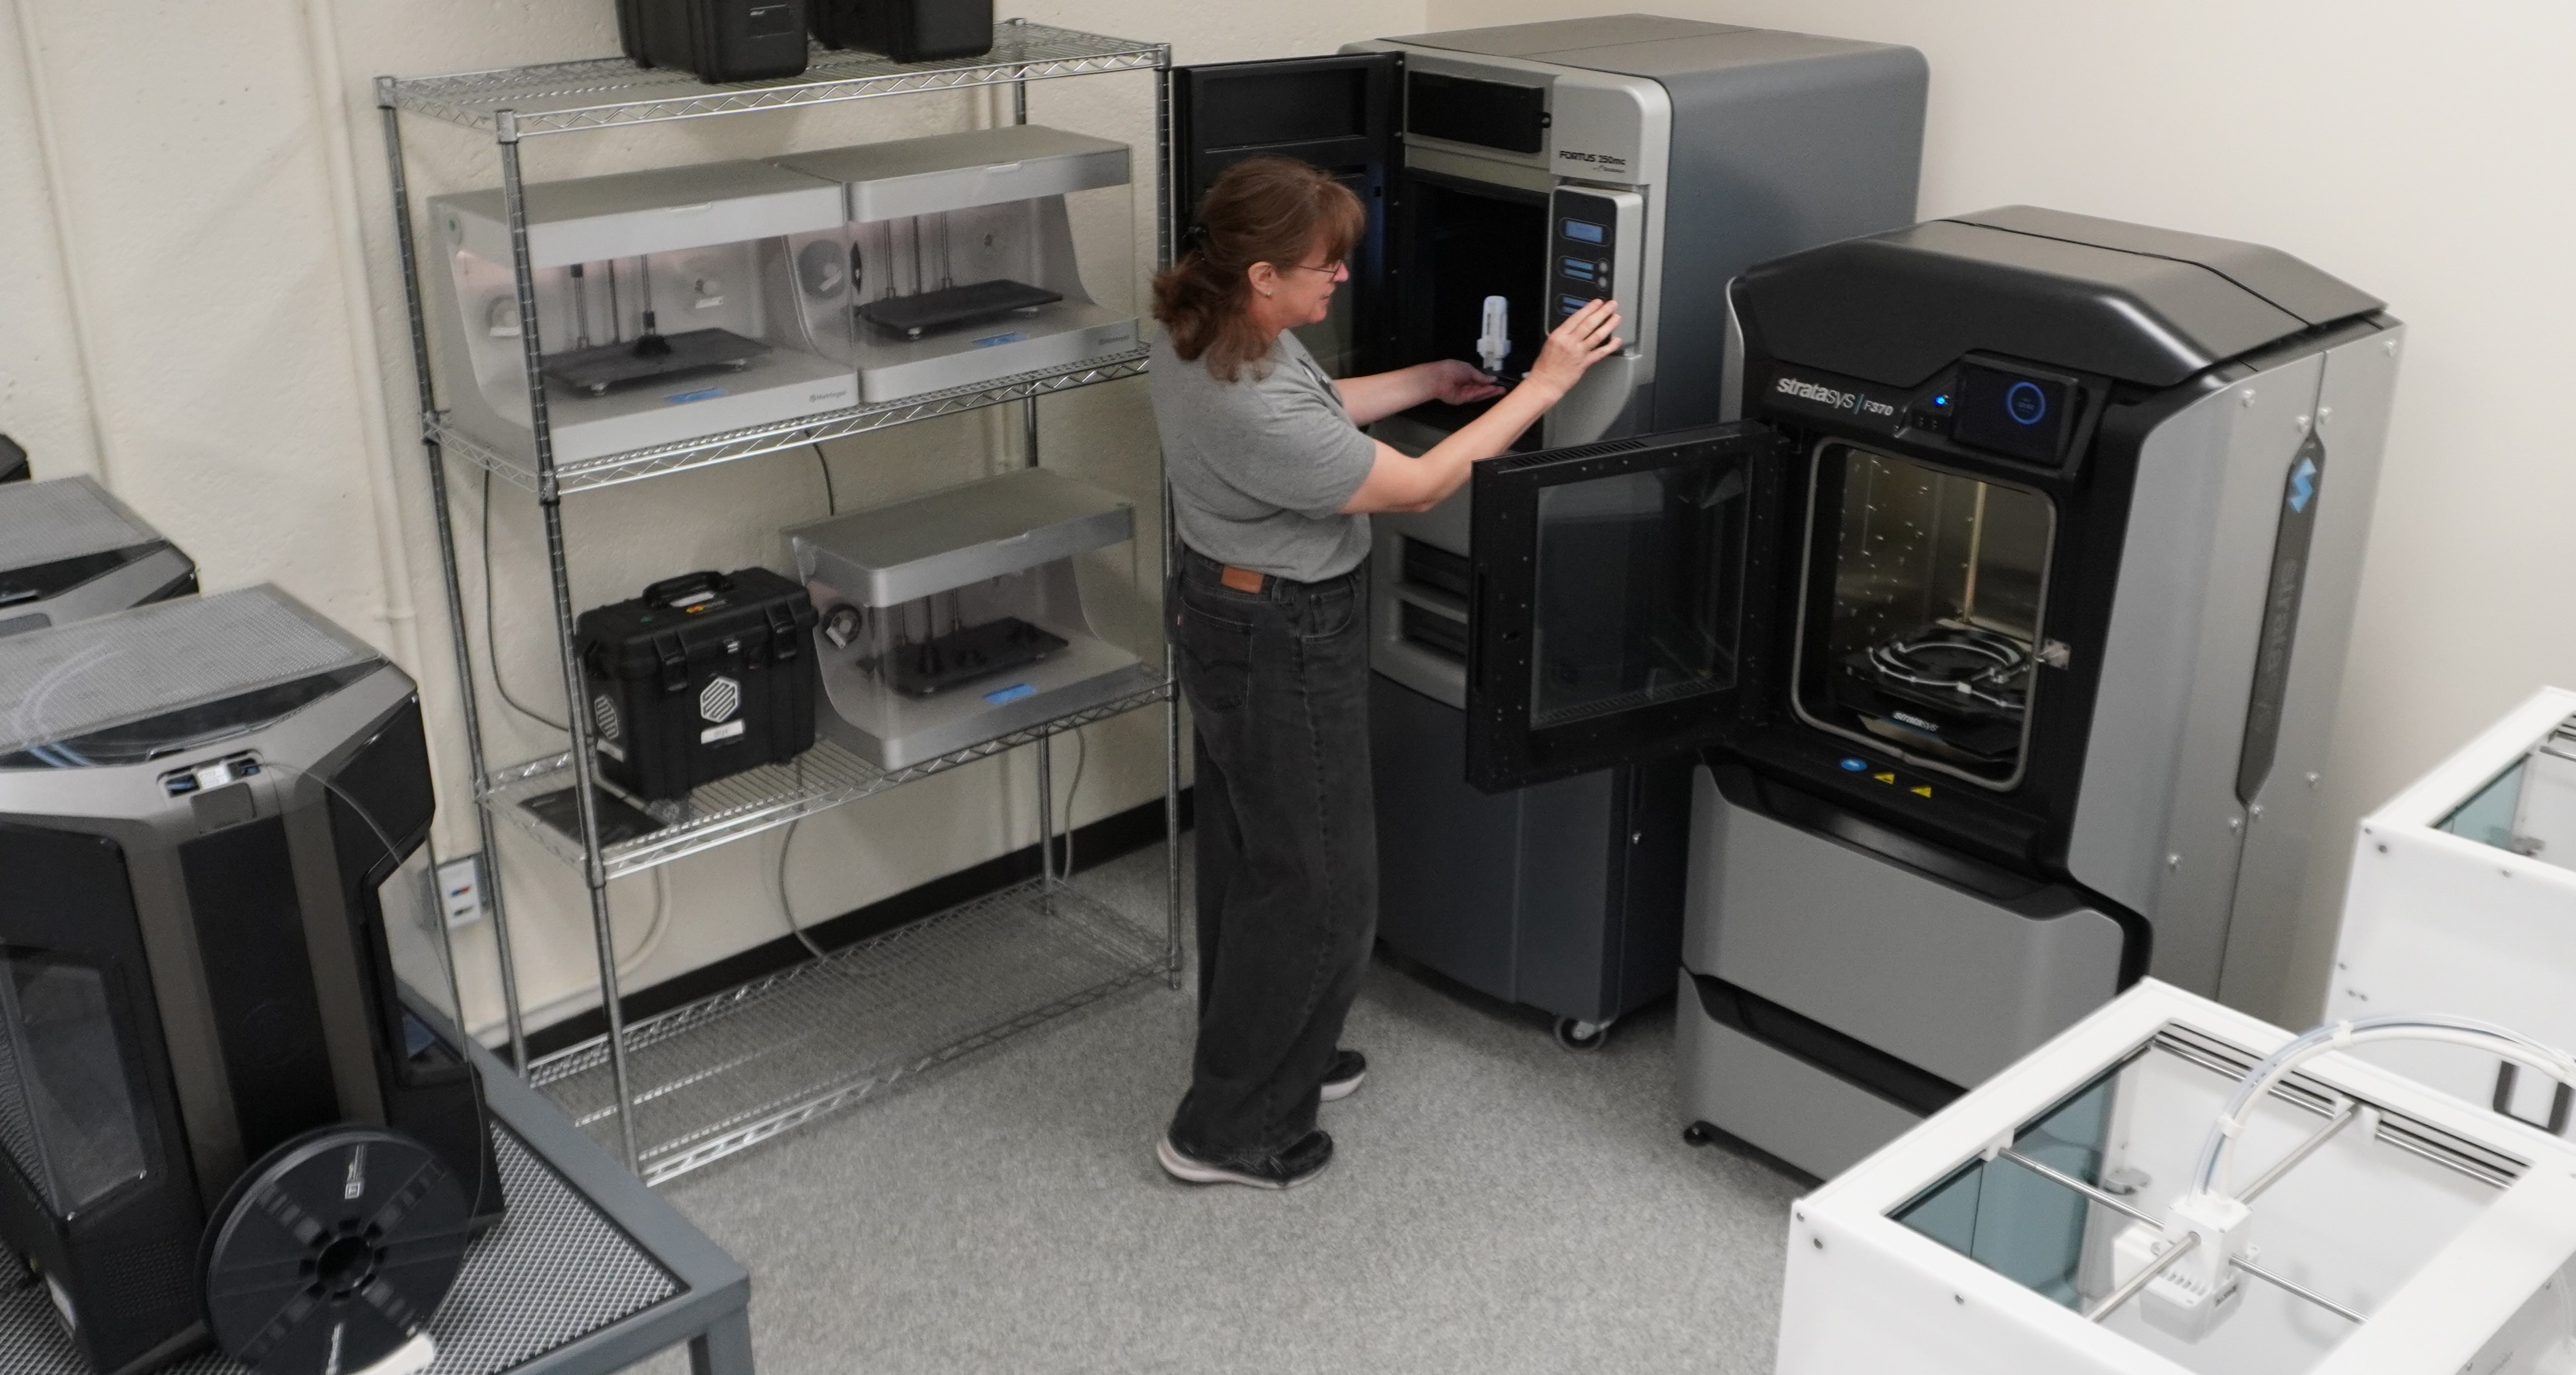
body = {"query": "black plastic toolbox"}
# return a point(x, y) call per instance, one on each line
point(906, 30)
point(718, 40)
point(703, 676)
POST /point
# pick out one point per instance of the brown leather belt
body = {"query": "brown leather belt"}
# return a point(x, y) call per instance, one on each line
point(1242, 579)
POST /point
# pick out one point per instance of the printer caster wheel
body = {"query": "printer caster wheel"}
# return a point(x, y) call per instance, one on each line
point(1699, 1134)
point(1577, 1035)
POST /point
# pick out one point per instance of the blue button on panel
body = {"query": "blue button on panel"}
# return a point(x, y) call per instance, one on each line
point(1855, 765)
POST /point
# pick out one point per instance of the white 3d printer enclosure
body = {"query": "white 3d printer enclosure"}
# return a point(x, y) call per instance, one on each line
point(961, 256)
point(668, 303)
point(956, 617)
point(2413, 1235)
point(2462, 899)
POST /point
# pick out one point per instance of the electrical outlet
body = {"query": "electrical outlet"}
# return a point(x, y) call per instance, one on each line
point(460, 891)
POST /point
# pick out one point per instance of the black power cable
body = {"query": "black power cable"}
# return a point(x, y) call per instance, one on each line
point(492, 645)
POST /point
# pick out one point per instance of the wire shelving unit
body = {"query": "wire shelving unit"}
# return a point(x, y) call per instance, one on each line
point(684, 1087)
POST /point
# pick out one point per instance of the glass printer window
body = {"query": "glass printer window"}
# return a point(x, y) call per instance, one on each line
point(1622, 621)
point(1935, 591)
point(67, 1113)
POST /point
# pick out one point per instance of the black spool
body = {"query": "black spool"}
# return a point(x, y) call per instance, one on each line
point(332, 1251)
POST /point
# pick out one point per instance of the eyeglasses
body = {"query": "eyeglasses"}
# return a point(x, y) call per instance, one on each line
point(1331, 269)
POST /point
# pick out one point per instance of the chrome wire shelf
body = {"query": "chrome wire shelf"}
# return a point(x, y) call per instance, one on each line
point(634, 465)
point(562, 97)
point(756, 800)
point(735, 1069)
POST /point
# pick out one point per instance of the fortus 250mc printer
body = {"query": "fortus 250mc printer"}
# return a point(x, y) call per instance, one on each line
point(1636, 157)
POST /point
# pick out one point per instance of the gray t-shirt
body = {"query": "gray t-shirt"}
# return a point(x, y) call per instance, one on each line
point(1261, 466)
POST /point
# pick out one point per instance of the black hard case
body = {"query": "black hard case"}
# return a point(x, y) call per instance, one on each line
point(718, 40)
point(660, 723)
point(906, 30)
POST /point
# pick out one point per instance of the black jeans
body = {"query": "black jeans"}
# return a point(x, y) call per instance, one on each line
point(1287, 847)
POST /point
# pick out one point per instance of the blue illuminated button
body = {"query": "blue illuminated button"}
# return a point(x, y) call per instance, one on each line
point(1855, 765)
point(2026, 403)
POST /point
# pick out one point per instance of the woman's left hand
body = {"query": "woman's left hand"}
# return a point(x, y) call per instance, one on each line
point(1461, 383)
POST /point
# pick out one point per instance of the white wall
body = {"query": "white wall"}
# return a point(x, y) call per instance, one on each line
point(199, 305)
point(2419, 153)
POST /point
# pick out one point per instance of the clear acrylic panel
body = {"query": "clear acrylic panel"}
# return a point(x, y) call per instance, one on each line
point(2530, 808)
point(1935, 618)
point(1639, 578)
point(2352, 1221)
point(2016, 1221)
point(68, 1112)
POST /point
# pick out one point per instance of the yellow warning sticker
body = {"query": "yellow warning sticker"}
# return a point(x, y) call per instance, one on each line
point(1884, 777)
point(1922, 790)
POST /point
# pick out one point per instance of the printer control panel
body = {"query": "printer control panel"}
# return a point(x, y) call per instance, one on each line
point(1595, 243)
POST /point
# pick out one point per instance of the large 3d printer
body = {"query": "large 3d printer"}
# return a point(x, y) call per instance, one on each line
point(229, 1102)
point(2014, 608)
point(1637, 157)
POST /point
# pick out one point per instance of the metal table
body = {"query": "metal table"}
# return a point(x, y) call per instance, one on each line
point(588, 1271)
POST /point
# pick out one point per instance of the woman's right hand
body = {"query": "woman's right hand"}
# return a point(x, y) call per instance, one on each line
point(1581, 340)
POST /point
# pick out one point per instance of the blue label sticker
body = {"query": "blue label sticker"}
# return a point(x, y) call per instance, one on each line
point(2303, 484)
point(1013, 693)
point(991, 339)
point(684, 398)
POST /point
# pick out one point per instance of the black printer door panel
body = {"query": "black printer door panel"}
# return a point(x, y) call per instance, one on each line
point(1343, 113)
point(1618, 588)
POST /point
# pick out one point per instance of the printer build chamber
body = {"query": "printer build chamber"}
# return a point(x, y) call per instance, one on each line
point(955, 618)
point(2391, 1228)
point(669, 305)
point(961, 256)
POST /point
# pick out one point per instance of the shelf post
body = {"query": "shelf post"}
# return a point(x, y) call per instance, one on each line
point(1028, 408)
point(576, 717)
point(1171, 548)
point(476, 767)
point(1046, 807)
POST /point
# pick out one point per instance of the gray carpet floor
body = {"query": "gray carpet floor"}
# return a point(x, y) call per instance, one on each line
point(1494, 1204)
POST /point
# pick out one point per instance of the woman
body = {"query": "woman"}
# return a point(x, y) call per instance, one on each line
point(1273, 483)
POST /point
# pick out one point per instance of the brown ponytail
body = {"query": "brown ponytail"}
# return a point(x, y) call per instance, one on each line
point(1261, 210)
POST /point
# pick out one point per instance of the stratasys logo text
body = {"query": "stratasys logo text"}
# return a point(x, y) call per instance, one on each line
point(1823, 396)
point(1831, 397)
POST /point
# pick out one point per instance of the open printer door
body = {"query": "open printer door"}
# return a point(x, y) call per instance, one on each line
point(1343, 113)
point(1621, 595)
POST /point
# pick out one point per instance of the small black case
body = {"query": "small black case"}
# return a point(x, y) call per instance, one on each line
point(906, 30)
point(718, 40)
point(703, 676)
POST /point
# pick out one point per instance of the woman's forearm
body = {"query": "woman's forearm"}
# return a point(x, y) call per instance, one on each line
point(1452, 460)
point(1378, 395)
point(1399, 483)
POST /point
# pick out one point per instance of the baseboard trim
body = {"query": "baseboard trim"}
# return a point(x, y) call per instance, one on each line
point(1120, 833)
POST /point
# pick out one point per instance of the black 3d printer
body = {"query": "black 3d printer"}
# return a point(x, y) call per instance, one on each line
point(229, 1102)
point(1632, 156)
point(2007, 613)
point(70, 551)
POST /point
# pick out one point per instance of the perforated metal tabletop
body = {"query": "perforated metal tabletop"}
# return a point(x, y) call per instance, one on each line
point(587, 1272)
